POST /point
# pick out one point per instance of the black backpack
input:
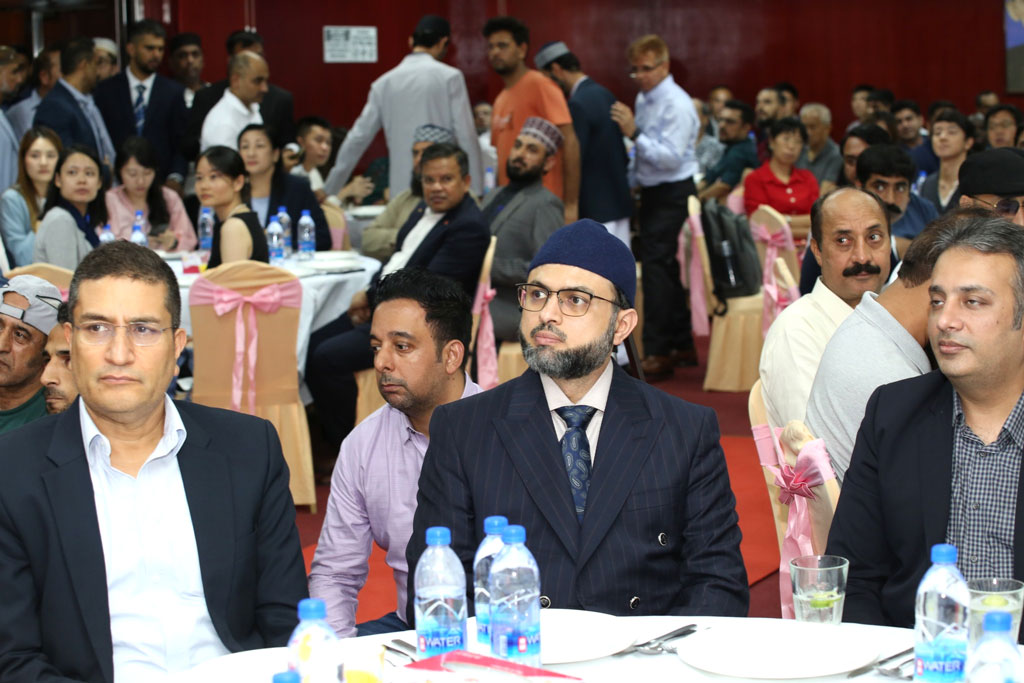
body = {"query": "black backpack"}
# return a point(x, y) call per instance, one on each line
point(735, 264)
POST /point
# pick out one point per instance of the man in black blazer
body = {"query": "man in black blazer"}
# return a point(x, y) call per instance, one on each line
point(938, 457)
point(139, 101)
point(139, 535)
point(604, 188)
point(645, 526)
point(277, 107)
point(445, 234)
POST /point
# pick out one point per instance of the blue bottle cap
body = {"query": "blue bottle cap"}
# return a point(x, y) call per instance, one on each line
point(495, 523)
point(997, 622)
point(106, 226)
point(282, 209)
point(287, 677)
point(312, 608)
point(305, 212)
point(439, 535)
point(138, 214)
point(943, 553)
point(513, 533)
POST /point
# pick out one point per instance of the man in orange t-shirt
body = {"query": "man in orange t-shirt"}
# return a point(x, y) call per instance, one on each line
point(529, 93)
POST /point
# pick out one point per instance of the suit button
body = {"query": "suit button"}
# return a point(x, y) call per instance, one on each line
point(634, 602)
point(663, 538)
point(545, 601)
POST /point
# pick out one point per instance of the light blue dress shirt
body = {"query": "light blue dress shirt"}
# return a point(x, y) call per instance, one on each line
point(668, 123)
point(16, 227)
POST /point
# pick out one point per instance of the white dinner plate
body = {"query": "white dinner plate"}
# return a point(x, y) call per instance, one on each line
point(778, 649)
point(334, 255)
point(364, 212)
point(169, 255)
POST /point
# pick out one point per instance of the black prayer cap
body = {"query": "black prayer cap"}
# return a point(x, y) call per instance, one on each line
point(994, 171)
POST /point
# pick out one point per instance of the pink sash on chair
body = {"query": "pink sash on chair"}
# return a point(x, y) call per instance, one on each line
point(486, 347)
point(698, 299)
point(268, 300)
point(776, 297)
point(812, 469)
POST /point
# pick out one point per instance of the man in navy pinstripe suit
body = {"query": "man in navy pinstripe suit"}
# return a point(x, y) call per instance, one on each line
point(628, 511)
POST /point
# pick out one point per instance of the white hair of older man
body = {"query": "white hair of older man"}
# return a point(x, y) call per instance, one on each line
point(818, 109)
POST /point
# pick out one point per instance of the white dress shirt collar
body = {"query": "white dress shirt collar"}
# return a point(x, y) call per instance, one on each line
point(239, 106)
point(596, 397)
point(658, 91)
point(97, 445)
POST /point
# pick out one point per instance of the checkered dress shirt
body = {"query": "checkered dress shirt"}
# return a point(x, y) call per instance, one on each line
point(983, 503)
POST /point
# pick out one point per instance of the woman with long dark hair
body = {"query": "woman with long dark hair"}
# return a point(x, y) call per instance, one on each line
point(141, 189)
point(74, 209)
point(21, 206)
point(222, 184)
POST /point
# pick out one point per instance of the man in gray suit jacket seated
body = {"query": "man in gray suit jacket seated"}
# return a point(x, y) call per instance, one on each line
point(523, 214)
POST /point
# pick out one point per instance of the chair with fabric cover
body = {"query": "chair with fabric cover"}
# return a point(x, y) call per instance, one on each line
point(801, 485)
point(774, 240)
point(734, 201)
point(55, 275)
point(257, 306)
point(511, 363)
point(338, 226)
point(481, 339)
point(735, 348)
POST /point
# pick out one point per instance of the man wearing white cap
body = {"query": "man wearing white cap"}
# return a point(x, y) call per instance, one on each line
point(108, 59)
point(27, 314)
point(523, 215)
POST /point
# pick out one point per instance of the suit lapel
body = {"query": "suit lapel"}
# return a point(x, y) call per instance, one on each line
point(70, 492)
point(504, 217)
point(529, 437)
point(935, 464)
point(628, 433)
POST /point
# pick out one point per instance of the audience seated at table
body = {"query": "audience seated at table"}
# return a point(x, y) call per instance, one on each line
point(75, 208)
point(141, 189)
point(21, 205)
point(779, 183)
point(221, 184)
point(271, 188)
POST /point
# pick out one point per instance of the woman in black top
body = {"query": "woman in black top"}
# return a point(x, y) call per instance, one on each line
point(221, 184)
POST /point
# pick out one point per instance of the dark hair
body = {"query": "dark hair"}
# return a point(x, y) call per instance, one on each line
point(445, 150)
point(883, 95)
point(303, 125)
point(900, 105)
point(63, 314)
point(520, 34)
point(568, 61)
point(43, 62)
point(788, 124)
point(746, 111)
point(97, 208)
point(885, 160)
point(445, 304)
point(24, 184)
point(75, 52)
point(268, 132)
point(124, 259)
point(921, 255)
point(869, 133)
point(977, 98)
point(953, 116)
point(430, 30)
point(788, 88)
point(1018, 118)
point(886, 121)
point(862, 87)
point(140, 149)
point(818, 210)
point(229, 162)
point(146, 27)
point(242, 39)
point(937, 105)
point(182, 40)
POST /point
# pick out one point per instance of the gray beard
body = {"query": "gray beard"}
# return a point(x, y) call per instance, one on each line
point(570, 363)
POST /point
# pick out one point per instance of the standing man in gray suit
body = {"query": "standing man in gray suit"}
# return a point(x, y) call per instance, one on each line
point(523, 215)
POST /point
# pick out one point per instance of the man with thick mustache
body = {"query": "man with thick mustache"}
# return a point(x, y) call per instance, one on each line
point(850, 241)
point(938, 457)
point(419, 336)
point(623, 489)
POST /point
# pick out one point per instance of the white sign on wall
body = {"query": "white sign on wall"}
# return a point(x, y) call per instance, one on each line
point(350, 44)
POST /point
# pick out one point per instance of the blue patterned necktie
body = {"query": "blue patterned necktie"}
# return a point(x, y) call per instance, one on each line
point(140, 108)
point(576, 452)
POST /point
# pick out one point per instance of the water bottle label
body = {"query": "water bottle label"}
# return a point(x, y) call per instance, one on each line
point(941, 660)
point(276, 253)
point(514, 644)
point(306, 245)
point(436, 641)
point(206, 243)
point(483, 627)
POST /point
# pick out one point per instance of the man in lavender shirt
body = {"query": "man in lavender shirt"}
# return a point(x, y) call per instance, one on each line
point(419, 334)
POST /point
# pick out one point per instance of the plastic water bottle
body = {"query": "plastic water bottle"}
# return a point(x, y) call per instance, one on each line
point(440, 607)
point(275, 242)
point(515, 600)
point(489, 547)
point(730, 266)
point(287, 677)
point(138, 236)
point(286, 226)
point(206, 229)
point(995, 658)
point(307, 236)
point(919, 182)
point(310, 649)
point(107, 235)
point(490, 180)
point(940, 624)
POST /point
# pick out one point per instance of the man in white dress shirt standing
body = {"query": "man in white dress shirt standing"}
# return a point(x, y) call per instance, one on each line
point(421, 89)
point(249, 77)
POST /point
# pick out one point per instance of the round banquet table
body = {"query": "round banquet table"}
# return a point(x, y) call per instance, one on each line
point(879, 641)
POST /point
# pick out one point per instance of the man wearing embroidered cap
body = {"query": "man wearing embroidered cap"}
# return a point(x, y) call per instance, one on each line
point(523, 215)
point(27, 314)
point(623, 489)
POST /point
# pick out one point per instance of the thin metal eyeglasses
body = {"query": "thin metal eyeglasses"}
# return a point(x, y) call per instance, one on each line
point(1004, 207)
point(571, 302)
point(644, 68)
point(140, 334)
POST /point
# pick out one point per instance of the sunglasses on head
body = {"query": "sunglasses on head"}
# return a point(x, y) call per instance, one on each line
point(1004, 207)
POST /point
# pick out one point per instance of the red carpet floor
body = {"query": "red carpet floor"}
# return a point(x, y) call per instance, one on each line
point(759, 545)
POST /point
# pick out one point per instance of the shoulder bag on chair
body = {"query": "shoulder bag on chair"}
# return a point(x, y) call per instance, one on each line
point(735, 265)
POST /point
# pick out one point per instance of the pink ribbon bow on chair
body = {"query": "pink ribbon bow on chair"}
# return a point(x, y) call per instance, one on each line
point(698, 299)
point(812, 468)
point(776, 297)
point(268, 300)
point(486, 346)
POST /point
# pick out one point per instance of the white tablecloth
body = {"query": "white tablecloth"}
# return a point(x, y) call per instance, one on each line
point(324, 297)
point(639, 668)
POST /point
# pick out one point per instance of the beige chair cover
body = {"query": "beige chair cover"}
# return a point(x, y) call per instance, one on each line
point(55, 275)
point(511, 363)
point(277, 379)
point(775, 222)
point(338, 226)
